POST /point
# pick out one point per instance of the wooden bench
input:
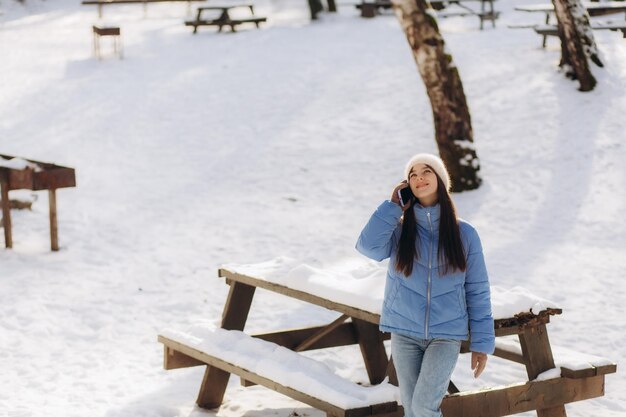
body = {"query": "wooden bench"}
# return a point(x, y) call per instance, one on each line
point(224, 18)
point(264, 363)
point(358, 324)
point(552, 30)
point(101, 3)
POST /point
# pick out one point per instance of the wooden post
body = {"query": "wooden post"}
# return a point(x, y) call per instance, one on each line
point(6, 210)
point(373, 350)
point(54, 233)
point(538, 358)
point(234, 317)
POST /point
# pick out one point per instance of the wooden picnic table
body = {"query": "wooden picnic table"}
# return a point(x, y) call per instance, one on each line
point(224, 18)
point(101, 3)
point(594, 9)
point(358, 326)
point(486, 11)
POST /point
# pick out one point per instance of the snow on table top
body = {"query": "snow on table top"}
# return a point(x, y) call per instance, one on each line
point(563, 357)
point(18, 163)
point(282, 365)
point(360, 283)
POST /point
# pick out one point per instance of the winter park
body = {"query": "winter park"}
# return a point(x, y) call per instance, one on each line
point(194, 189)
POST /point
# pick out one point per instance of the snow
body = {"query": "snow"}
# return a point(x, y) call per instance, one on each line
point(563, 357)
point(283, 366)
point(18, 164)
point(201, 150)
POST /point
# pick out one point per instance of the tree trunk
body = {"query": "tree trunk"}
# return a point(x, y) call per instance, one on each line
point(453, 127)
point(577, 42)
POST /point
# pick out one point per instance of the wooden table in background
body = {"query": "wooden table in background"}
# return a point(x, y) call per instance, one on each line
point(49, 178)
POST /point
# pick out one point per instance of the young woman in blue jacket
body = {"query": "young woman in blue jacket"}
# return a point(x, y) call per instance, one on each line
point(437, 288)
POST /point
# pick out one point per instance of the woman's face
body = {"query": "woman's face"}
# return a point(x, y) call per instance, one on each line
point(423, 183)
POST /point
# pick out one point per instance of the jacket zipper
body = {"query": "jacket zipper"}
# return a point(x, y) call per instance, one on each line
point(430, 265)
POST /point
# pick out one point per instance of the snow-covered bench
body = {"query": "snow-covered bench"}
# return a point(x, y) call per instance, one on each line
point(355, 290)
point(277, 368)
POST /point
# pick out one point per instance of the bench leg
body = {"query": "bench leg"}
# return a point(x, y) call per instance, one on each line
point(538, 358)
point(234, 317)
point(54, 231)
point(6, 211)
point(96, 45)
point(373, 350)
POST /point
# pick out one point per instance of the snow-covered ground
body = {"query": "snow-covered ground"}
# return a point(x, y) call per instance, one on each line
point(199, 150)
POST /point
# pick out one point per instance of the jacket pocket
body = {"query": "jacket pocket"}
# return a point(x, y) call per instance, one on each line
point(446, 307)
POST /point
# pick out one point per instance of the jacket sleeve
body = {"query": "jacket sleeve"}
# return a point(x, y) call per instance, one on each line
point(375, 240)
point(478, 298)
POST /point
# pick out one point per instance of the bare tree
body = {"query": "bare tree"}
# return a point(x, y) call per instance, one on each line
point(453, 127)
point(578, 45)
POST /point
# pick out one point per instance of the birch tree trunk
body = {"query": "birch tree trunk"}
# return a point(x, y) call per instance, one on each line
point(578, 45)
point(453, 127)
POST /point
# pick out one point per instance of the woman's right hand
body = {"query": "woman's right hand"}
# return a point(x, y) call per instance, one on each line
point(396, 199)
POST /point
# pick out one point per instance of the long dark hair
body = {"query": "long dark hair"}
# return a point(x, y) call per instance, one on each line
point(450, 249)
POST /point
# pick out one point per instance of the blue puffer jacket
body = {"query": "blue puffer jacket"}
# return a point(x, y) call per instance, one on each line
point(426, 305)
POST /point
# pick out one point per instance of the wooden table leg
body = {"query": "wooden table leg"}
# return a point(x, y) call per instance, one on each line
point(234, 317)
point(54, 232)
point(6, 211)
point(373, 350)
point(538, 358)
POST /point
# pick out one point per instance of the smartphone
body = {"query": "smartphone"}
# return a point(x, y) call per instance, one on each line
point(405, 195)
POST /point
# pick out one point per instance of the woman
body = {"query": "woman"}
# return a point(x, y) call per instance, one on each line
point(437, 289)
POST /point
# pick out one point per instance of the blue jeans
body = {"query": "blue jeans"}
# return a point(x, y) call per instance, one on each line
point(424, 368)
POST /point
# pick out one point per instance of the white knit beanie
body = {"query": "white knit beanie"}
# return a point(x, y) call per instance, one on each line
point(432, 161)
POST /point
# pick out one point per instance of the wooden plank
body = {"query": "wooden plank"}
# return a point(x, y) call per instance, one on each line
point(301, 295)
point(372, 349)
point(320, 334)
point(606, 369)
point(511, 356)
point(54, 230)
point(6, 208)
point(538, 357)
point(536, 351)
point(391, 372)
point(217, 363)
point(212, 388)
point(587, 372)
point(343, 335)
point(519, 398)
point(173, 359)
point(237, 306)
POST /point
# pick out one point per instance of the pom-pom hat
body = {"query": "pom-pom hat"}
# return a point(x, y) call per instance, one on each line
point(432, 161)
